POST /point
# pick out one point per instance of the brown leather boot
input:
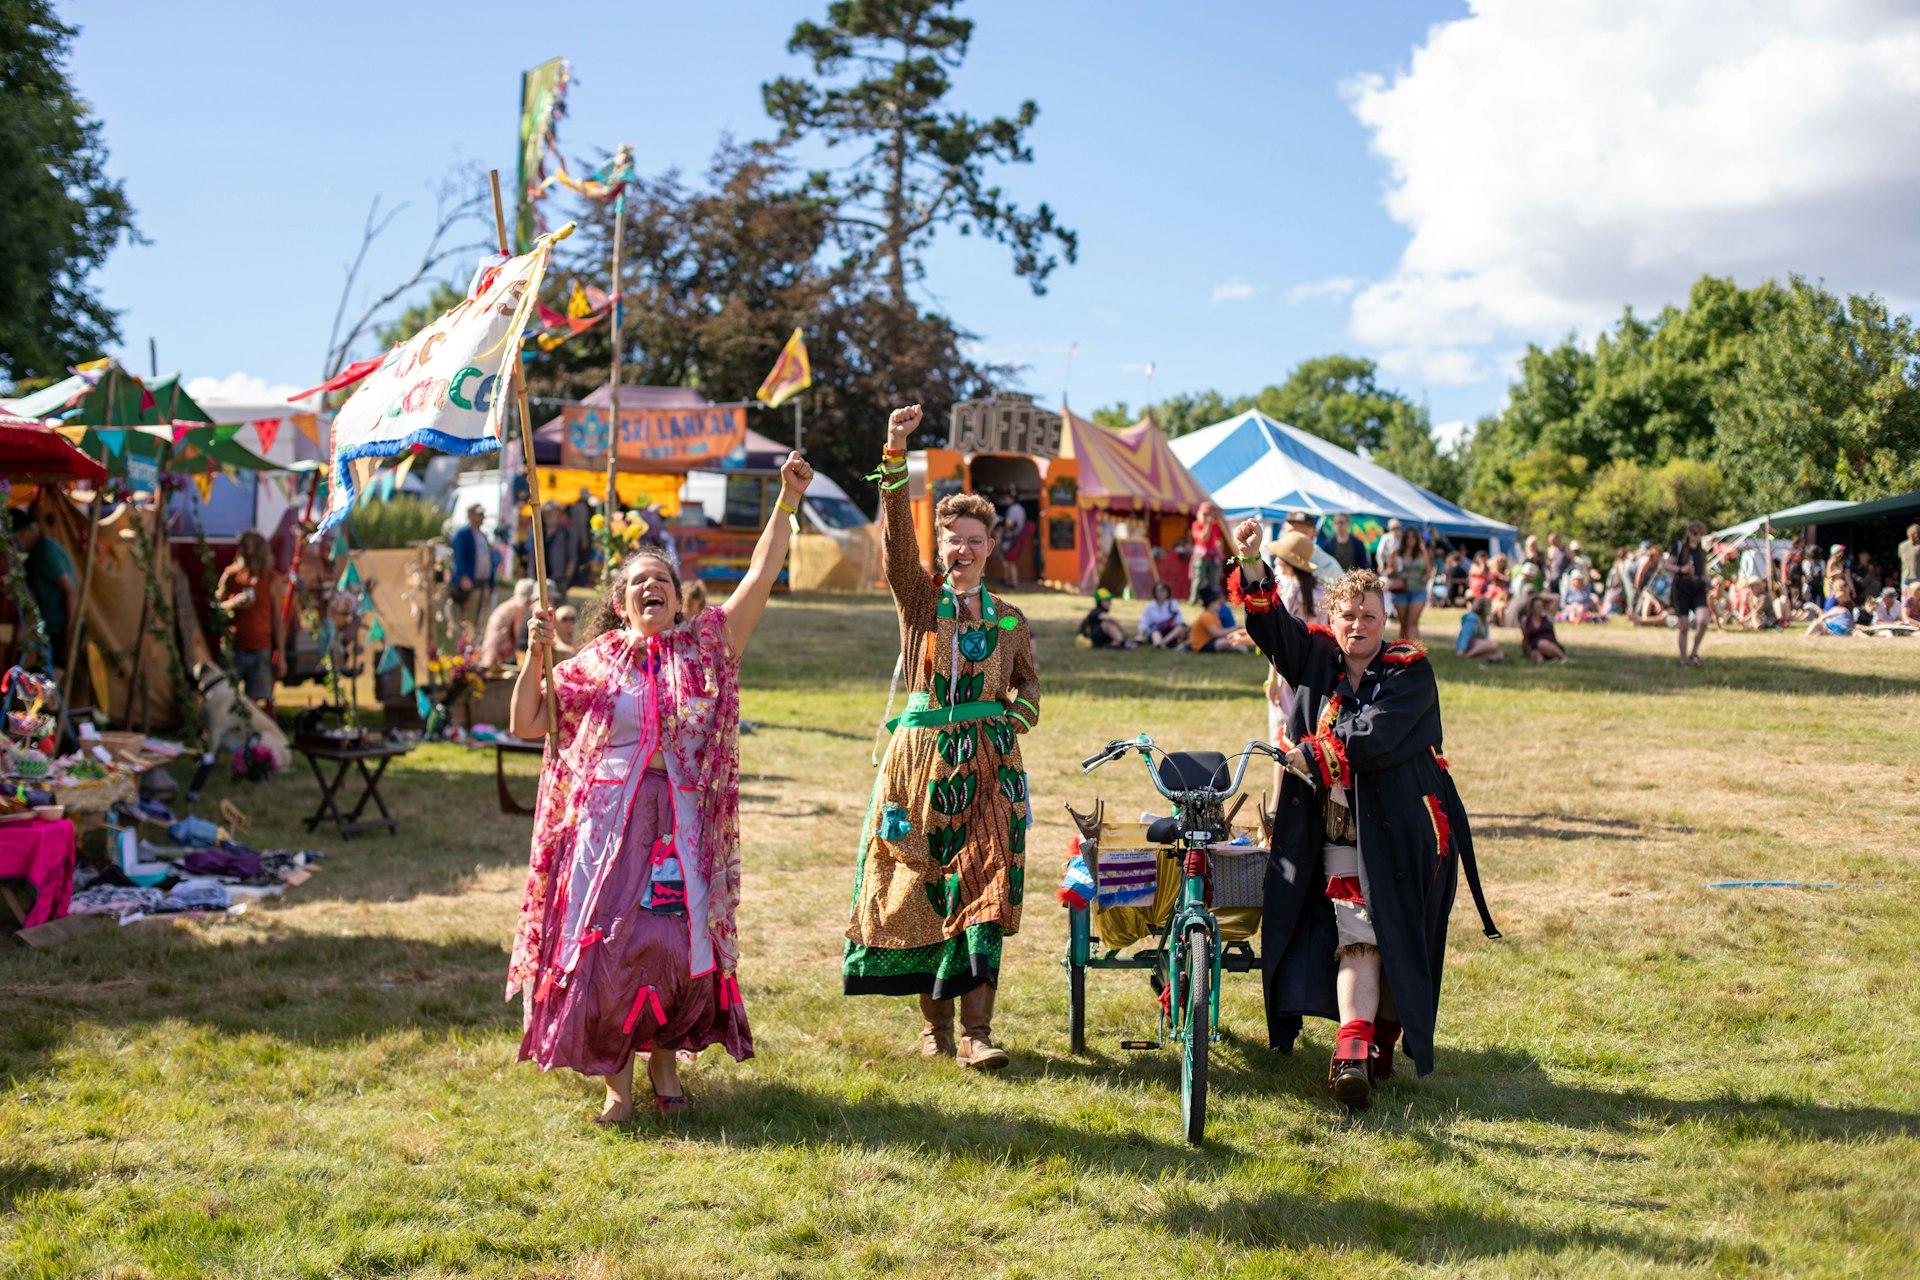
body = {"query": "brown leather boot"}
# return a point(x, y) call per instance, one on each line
point(936, 1032)
point(977, 1051)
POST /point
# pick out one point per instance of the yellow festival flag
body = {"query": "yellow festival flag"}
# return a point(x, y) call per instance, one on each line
point(791, 373)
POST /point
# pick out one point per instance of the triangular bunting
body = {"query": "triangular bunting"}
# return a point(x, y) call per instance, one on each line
point(307, 425)
point(114, 440)
point(420, 698)
point(376, 634)
point(269, 431)
point(351, 578)
point(389, 659)
point(204, 483)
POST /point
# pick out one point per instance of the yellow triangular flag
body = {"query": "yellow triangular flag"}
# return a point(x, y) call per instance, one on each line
point(791, 374)
point(204, 483)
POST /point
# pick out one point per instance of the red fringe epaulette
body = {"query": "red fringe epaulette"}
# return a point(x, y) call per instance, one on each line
point(1321, 629)
point(1329, 756)
point(1442, 829)
point(1403, 653)
point(1071, 900)
point(1440, 760)
point(1252, 601)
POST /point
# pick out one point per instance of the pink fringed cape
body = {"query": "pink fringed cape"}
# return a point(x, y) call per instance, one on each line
point(700, 730)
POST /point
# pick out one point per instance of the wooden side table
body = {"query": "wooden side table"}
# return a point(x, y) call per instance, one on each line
point(349, 758)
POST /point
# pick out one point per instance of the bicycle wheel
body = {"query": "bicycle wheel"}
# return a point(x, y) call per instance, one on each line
point(1193, 1058)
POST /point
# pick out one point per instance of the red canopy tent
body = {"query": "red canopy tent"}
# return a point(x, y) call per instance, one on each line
point(33, 452)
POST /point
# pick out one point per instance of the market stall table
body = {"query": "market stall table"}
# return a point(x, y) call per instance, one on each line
point(349, 758)
point(41, 853)
point(502, 747)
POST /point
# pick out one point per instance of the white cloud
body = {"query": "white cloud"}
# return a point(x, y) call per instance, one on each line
point(1332, 287)
point(1556, 162)
point(1234, 290)
point(241, 387)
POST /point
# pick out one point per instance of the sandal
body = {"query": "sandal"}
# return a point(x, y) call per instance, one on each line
point(668, 1106)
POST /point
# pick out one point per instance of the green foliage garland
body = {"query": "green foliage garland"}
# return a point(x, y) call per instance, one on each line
point(31, 623)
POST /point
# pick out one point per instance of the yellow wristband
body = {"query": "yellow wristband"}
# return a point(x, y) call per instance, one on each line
point(781, 503)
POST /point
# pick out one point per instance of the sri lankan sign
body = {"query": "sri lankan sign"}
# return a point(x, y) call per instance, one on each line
point(652, 439)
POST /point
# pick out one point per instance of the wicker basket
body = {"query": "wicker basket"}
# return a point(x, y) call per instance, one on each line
point(1239, 876)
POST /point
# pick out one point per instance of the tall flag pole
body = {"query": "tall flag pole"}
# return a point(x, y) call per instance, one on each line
point(518, 378)
point(543, 101)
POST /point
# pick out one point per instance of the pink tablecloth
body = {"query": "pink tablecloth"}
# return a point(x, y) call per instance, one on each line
point(41, 853)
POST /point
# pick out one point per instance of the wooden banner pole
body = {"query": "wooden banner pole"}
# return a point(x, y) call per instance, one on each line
point(538, 535)
point(613, 436)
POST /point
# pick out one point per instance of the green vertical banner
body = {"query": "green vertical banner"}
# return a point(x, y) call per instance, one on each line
point(543, 95)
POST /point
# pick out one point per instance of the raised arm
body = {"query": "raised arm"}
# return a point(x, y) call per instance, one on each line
point(749, 599)
point(1281, 636)
point(913, 588)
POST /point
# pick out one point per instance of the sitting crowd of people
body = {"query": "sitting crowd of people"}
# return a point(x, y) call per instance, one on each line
point(1689, 585)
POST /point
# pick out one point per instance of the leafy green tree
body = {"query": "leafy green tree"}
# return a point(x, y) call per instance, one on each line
point(1408, 449)
point(917, 167)
point(1825, 404)
point(61, 214)
point(1336, 398)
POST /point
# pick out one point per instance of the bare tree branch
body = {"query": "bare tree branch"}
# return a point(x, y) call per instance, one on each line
point(452, 211)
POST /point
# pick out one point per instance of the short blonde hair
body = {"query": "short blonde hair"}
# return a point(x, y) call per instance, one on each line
point(1355, 584)
point(965, 506)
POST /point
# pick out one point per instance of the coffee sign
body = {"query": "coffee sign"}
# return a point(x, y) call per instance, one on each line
point(1007, 423)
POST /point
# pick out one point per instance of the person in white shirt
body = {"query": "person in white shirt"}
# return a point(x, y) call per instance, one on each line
point(1160, 622)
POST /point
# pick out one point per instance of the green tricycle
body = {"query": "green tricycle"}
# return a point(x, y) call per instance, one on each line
point(1164, 881)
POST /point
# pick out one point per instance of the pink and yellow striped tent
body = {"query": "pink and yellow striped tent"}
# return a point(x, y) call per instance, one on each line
point(1132, 471)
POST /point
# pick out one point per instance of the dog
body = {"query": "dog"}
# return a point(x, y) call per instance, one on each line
point(232, 720)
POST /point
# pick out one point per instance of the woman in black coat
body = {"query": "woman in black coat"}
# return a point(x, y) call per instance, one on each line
point(1365, 948)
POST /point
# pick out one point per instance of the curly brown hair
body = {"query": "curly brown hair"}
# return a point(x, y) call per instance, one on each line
point(610, 616)
point(1356, 583)
point(966, 506)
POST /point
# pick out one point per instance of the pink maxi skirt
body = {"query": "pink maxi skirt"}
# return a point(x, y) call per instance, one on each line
point(630, 990)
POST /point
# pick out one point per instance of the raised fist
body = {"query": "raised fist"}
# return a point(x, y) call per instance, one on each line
point(1246, 538)
point(795, 474)
point(901, 425)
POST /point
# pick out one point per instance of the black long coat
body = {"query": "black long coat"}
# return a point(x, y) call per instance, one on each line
point(1382, 740)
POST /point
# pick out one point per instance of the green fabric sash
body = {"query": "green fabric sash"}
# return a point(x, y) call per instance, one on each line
point(921, 716)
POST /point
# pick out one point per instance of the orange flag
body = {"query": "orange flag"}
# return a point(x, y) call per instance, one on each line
point(791, 374)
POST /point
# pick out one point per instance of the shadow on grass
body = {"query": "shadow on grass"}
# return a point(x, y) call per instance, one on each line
point(306, 989)
point(1420, 1234)
point(1613, 672)
point(1564, 826)
point(1486, 1084)
point(759, 1110)
point(22, 1178)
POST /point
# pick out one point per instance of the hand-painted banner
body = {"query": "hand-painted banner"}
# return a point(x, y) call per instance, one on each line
point(446, 387)
point(653, 439)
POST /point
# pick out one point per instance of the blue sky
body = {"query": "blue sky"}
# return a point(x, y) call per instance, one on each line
point(1432, 184)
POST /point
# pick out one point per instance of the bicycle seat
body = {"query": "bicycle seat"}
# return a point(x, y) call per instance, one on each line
point(1163, 831)
point(1192, 770)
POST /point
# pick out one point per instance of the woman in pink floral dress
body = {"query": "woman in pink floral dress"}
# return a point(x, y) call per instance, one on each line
point(626, 940)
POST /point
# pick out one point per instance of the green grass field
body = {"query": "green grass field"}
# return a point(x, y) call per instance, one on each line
point(1646, 1076)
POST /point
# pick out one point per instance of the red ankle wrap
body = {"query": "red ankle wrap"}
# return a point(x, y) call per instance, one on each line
point(1358, 1029)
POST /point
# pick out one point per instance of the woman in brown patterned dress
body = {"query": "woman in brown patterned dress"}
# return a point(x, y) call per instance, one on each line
point(942, 864)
